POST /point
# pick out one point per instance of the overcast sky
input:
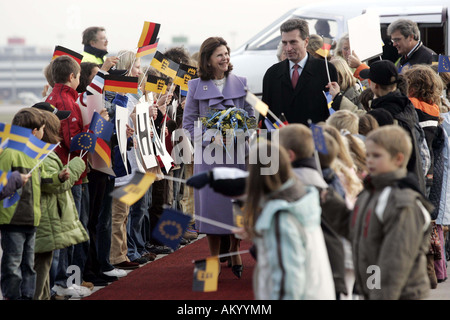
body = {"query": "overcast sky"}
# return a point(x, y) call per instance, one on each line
point(46, 23)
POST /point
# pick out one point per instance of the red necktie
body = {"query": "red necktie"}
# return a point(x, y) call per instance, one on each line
point(295, 76)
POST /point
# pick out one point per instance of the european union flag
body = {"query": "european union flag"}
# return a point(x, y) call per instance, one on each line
point(4, 177)
point(83, 141)
point(319, 139)
point(100, 127)
point(37, 149)
point(171, 227)
point(444, 64)
point(11, 200)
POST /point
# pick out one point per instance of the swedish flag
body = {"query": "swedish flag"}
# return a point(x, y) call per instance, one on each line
point(171, 227)
point(4, 177)
point(17, 136)
point(444, 64)
point(37, 149)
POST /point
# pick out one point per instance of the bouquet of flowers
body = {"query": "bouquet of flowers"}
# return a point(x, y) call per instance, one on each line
point(231, 121)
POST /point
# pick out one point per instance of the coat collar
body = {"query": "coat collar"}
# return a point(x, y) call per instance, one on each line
point(284, 74)
point(206, 90)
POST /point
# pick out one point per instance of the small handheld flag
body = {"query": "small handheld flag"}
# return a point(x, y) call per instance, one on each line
point(156, 84)
point(184, 74)
point(135, 189)
point(319, 139)
point(324, 51)
point(444, 64)
point(143, 51)
point(170, 228)
point(123, 84)
point(164, 65)
point(61, 51)
point(100, 127)
point(17, 136)
point(4, 177)
point(83, 141)
point(103, 150)
point(11, 200)
point(329, 99)
point(149, 34)
point(256, 103)
point(37, 149)
point(206, 275)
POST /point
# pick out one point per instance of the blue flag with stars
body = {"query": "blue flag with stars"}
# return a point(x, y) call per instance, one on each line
point(83, 141)
point(444, 64)
point(100, 127)
point(11, 200)
point(319, 139)
point(171, 227)
point(4, 177)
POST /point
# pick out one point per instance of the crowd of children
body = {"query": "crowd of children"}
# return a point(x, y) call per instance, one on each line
point(374, 202)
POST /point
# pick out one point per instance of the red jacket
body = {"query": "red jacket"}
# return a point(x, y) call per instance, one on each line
point(64, 98)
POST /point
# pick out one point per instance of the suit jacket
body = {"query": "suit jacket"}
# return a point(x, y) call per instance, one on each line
point(307, 100)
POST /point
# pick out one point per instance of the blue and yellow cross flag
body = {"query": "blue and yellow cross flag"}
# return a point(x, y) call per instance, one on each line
point(83, 141)
point(319, 139)
point(206, 275)
point(4, 177)
point(37, 149)
point(444, 64)
point(17, 136)
point(100, 127)
point(171, 227)
point(135, 189)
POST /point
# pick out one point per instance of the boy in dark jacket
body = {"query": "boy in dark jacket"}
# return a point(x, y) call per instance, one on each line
point(390, 224)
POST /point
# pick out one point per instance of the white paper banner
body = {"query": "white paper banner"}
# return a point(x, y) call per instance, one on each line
point(365, 36)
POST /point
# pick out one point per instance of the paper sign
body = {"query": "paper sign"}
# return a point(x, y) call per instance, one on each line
point(365, 36)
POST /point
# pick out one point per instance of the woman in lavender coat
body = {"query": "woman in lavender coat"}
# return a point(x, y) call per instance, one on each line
point(216, 89)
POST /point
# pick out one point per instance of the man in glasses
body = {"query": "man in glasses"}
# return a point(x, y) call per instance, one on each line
point(405, 36)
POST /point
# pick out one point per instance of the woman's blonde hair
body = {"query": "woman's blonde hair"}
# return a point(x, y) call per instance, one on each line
point(126, 60)
point(345, 75)
point(344, 120)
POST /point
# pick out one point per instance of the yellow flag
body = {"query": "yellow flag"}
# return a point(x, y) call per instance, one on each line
point(135, 189)
point(206, 275)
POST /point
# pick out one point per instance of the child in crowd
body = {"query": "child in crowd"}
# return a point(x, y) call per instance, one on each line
point(390, 224)
point(298, 141)
point(18, 222)
point(280, 214)
point(59, 226)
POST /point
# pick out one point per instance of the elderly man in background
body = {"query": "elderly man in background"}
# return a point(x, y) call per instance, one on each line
point(95, 45)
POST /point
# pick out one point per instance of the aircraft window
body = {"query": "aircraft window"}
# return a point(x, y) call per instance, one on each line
point(270, 39)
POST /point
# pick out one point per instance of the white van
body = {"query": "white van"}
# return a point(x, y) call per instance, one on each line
point(259, 53)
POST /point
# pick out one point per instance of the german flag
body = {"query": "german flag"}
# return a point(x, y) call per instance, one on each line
point(326, 47)
point(103, 150)
point(184, 74)
point(121, 84)
point(164, 65)
point(156, 84)
point(149, 34)
point(151, 48)
point(61, 51)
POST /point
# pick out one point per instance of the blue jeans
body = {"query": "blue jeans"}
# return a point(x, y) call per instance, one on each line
point(135, 240)
point(80, 251)
point(18, 278)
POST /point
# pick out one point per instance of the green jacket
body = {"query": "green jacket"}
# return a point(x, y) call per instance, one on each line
point(26, 211)
point(59, 227)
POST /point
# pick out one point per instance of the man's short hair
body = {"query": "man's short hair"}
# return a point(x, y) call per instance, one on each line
point(298, 138)
point(406, 28)
point(296, 24)
point(62, 67)
point(90, 34)
point(394, 139)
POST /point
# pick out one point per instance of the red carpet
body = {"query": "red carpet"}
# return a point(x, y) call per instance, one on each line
point(171, 277)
